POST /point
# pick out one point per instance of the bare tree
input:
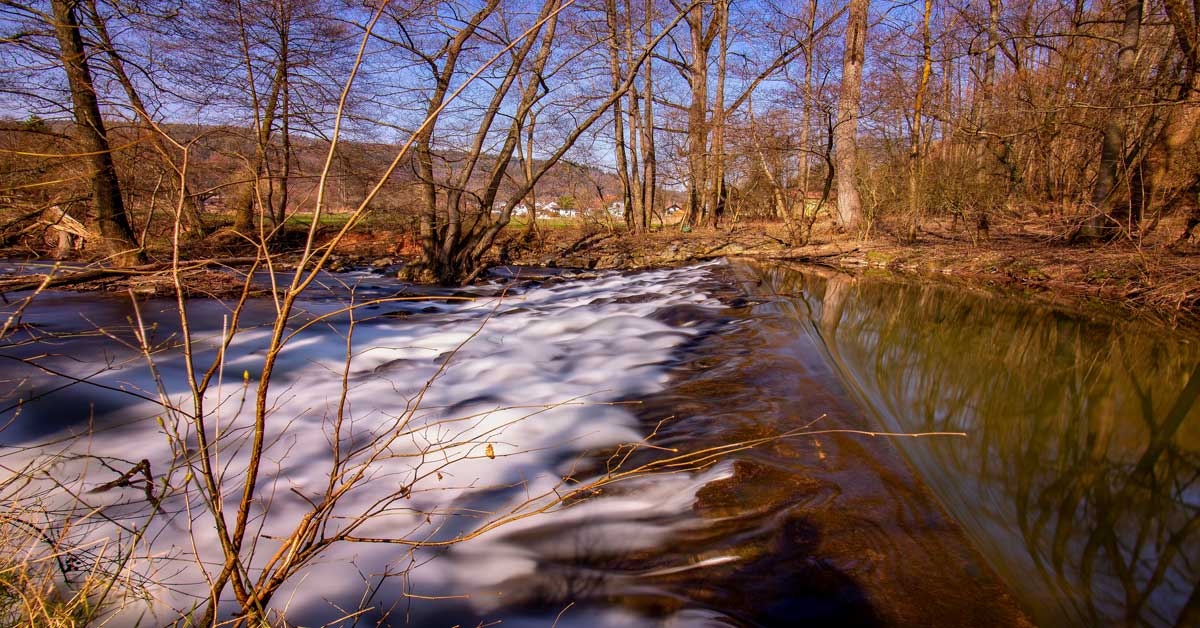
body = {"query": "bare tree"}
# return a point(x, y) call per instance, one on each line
point(191, 211)
point(616, 36)
point(89, 124)
point(849, 203)
point(914, 155)
point(457, 225)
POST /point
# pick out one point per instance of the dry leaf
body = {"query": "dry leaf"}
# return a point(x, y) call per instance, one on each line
point(489, 452)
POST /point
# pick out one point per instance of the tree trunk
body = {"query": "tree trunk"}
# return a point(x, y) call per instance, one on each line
point(697, 132)
point(614, 65)
point(806, 120)
point(106, 189)
point(1106, 223)
point(525, 160)
point(716, 172)
point(437, 241)
point(635, 213)
point(1184, 116)
point(192, 220)
point(983, 112)
point(285, 116)
point(914, 152)
point(849, 203)
point(243, 220)
point(649, 159)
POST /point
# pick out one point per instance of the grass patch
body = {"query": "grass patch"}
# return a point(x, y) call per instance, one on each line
point(879, 257)
point(556, 222)
point(327, 220)
point(34, 591)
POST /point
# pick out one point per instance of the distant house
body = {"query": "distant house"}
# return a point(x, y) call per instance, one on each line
point(520, 210)
point(672, 209)
point(617, 209)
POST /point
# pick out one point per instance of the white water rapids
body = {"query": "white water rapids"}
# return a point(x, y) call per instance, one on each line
point(522, 395)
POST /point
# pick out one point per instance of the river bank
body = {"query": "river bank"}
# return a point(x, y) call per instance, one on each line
point(1153, 278)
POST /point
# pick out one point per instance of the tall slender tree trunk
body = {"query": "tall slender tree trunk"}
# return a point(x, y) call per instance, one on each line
point(527, 163)
point(914, 152)
point(249, 199)
point(716, 171)
point(1180, 129)
point(987, 82)
point(649, 159)
point(849, 202)
point(524, 148)
point(614, 65)
point(806, 119)
point(106, 188)
point(1107, 222)
point(982, 113)
point(635, 214)
point(285, 115)
point(698, 117)
point(243, 220)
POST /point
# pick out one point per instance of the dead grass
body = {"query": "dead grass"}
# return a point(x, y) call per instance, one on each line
point(39, 582)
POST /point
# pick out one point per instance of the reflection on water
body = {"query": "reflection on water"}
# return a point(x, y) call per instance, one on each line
point(1079, 478)
point(1073, 500)
point(824, 529)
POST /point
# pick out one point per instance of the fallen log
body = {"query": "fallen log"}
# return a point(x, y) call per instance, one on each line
point(807, 253)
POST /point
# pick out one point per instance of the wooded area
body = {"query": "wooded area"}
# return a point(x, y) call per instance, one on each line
point(259, 140)
point(232, 116)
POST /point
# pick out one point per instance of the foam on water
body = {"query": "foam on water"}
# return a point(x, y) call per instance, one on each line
point(522, 397)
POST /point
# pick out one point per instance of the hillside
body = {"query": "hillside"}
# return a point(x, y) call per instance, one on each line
point(218, 166)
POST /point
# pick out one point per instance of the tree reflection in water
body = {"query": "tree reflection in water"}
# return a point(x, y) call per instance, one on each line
point(1079, 476)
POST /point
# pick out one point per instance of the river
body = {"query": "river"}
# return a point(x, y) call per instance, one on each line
point(1039, 467)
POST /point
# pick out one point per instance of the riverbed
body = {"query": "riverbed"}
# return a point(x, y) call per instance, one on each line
point(873, 451)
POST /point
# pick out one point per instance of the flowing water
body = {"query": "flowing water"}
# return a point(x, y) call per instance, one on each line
point(1078, 480)
point(1071, 499)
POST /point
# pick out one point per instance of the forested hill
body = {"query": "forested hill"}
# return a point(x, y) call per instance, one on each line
point(218, 169)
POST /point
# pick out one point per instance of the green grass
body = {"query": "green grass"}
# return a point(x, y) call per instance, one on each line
point(879, 257)
point(327, 220)
point(545, 223)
